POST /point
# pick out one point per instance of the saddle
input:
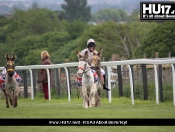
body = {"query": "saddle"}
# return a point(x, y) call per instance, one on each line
point(2, 79)
point(79, 79)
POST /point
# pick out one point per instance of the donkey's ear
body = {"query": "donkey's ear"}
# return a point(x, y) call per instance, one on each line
point(13, 58)
point(86, 55)
point(78, 54)
point(100, 52)
point(7, 57)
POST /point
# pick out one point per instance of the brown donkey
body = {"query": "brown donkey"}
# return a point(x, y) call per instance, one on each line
point(11, 85)
point(96, 65)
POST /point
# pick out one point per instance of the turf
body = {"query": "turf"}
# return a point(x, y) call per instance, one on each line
point(62, 108)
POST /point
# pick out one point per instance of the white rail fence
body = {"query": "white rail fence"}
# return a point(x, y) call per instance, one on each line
point(153, 62)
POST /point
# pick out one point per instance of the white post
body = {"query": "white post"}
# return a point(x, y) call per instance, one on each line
point(31, 78)
point(156, 84)
point(48, 78)
point(131, 85)
point(68, 86)
point(173, 74)
point(109, 84)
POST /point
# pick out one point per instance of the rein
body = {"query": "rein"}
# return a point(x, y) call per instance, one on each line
point(85, 66)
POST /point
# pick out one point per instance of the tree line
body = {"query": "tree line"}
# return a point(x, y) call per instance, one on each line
point(28, 32)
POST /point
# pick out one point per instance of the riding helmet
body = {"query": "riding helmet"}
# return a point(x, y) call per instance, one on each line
point(91, 43)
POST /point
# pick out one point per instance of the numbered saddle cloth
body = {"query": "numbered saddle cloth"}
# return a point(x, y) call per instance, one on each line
point(2, 79)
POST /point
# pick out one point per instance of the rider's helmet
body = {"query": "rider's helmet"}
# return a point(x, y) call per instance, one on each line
point(91, 43)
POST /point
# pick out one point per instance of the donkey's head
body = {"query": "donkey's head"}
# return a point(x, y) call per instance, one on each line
point(83, 63)
point(96, 61)
point(10, 67)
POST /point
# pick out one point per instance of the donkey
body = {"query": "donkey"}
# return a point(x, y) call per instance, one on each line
point(11, 85)
point(88, 83)
point(96, 65)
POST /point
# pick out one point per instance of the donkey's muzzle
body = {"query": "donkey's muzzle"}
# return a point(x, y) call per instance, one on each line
point(80, 73)
point(92, 67)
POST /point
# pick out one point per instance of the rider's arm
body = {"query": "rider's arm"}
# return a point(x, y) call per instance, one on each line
point(82, 53)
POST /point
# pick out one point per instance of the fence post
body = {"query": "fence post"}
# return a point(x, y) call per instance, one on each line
point(34, 81)
point(68, 85)
point(120, 80)
point(106, 80)
point(160, 83)
point(132, 77)
point(68, 69)
point(145, 87)
point(25, 83)
point(131, 84)
point(173, 77)
point(57, 82)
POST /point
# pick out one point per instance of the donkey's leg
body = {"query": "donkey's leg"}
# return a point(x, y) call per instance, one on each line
point(92, 94)
point(99, 94)
point(96, 100)
point(6, 97)
point(15, 97)
point(97, 103)
point(85, 98)
point(90, 100)
point(11, 98)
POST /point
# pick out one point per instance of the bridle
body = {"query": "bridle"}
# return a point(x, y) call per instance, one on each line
point(96, 62)
point(85, 68)
point(10, 67)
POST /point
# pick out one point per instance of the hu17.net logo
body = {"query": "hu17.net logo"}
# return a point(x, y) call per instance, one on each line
point(157, 11)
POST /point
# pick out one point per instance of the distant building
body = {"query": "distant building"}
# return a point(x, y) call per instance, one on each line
point(8, 15)
point(92, 23)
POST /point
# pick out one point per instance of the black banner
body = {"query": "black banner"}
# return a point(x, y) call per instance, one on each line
point(87, 122)
point(157, 11)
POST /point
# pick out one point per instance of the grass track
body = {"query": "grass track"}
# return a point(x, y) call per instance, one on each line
point(61, 108)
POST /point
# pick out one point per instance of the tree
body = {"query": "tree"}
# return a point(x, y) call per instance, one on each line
point(64, 52)
point(34, 5)
point(138, 33)
point(123, 14)
point(75, 28)
point(27, 23)
point(160, 39)
point(107, 15)
point(25, 48)
point(104, 36)
point(76, 9)
point(135, 15)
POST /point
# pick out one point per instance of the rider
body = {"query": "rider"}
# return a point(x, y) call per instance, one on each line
point(91, 49)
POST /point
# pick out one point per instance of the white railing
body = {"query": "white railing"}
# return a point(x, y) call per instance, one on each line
point(153, 62)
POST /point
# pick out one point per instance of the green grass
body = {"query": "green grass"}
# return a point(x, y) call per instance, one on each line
point(62, 108)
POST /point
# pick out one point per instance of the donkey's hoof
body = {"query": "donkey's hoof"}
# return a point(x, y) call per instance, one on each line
point(15, 106)
point(11, 102)
point(7, 106)
point(86, 107)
